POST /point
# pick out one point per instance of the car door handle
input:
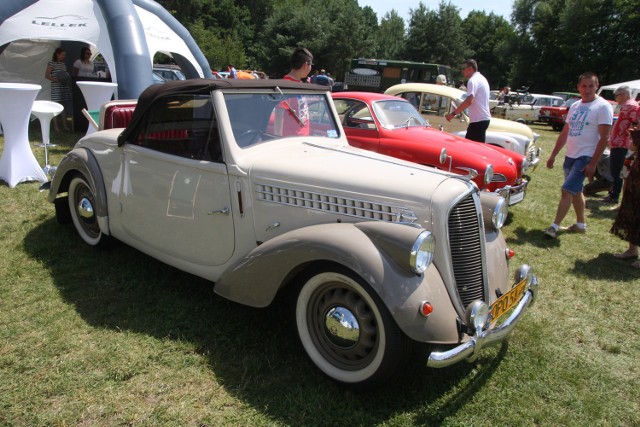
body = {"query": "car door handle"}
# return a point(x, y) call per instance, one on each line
point(223, 211)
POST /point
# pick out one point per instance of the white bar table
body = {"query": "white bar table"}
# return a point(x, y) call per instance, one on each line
point(95, 94)
point(18, 164)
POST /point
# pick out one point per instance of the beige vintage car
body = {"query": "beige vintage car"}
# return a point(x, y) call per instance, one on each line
point(526, 109)
point(435, 101)
point(252, 185)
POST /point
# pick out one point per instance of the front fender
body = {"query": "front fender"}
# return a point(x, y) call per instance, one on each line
point(81, 160)
point(255, 279)
point(372, 250)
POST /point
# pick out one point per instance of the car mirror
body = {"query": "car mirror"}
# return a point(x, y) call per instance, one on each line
point(443, 156)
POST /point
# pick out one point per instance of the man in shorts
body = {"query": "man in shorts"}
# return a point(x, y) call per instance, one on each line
point(586, 134)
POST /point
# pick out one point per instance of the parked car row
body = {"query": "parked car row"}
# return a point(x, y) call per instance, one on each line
point(254, 186)
point(527, 110)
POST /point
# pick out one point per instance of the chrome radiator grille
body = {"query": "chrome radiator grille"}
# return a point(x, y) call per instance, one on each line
point(466, 251)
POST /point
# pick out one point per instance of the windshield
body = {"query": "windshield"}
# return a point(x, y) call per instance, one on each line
point(394, 114)
point(260, 117)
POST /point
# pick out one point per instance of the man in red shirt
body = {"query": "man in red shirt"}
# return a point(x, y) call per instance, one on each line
point(292, 114)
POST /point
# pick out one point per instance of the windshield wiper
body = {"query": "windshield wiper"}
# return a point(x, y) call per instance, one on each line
point(408, 121)
point(289, 109)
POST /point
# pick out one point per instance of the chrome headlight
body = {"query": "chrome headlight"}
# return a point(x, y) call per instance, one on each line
point(477, 315)
point(524, 272)
point(488, 174)
point(500, 213)
point(422, 252)
point(494, 210)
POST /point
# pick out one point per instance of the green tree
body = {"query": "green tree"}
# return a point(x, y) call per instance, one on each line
point(221, 28)
point(488, 38)
point(557, 40)
point(391, 36)
point(334, 33)
point(436, 37)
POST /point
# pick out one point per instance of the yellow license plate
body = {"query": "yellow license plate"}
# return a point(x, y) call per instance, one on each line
point(508, 300)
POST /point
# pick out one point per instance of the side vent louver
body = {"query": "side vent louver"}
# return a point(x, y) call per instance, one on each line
point(334, 204)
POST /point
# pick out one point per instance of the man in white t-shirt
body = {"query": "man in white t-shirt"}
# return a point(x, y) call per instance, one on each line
point(477, 101)
point(586, 134)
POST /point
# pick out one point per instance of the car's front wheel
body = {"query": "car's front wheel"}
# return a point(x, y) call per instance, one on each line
point(83, 213)
point(347, 331)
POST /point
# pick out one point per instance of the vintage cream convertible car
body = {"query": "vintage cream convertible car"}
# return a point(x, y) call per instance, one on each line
point(252, 185)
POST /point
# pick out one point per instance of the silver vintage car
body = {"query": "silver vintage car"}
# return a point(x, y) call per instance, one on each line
point(251, 184)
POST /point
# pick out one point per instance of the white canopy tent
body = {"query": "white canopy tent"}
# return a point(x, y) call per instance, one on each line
point(127, 33)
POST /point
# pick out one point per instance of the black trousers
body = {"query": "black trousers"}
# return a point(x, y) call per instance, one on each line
point(477, 131)
point(616, 162)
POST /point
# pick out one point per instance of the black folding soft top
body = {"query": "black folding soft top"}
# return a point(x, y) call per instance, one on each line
point(153, 92)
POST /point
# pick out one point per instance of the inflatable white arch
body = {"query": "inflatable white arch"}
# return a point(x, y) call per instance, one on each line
point(128, 33)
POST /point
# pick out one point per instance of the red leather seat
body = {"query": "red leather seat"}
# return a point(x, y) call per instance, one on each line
point(118, 116)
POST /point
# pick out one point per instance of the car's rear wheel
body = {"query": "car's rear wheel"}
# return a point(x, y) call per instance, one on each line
point(83, 213)
point(347, 331)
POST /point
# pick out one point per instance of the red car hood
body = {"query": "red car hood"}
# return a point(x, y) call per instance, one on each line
point(424, 144)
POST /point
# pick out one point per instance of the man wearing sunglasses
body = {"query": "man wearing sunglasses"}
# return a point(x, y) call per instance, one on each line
point(477, 102)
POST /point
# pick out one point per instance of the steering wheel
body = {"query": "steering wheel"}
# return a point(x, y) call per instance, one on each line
point(250, 137)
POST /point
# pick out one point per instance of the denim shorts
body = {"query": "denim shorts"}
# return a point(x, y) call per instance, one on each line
point(574, 174)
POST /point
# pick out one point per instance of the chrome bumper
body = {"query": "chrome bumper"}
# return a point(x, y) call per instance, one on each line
point(514, 194)
point(471, 349)
point(533, 158)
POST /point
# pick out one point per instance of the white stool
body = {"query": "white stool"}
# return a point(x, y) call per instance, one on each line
point(45, 111)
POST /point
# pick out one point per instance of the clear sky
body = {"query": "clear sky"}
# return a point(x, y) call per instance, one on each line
point(380, 7)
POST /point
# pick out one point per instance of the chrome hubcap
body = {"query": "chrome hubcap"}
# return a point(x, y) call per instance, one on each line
point(341, 327)
point(85, 208)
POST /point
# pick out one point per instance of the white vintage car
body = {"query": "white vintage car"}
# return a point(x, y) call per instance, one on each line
point(251, 184)
point(435, 101)
point(526, 110)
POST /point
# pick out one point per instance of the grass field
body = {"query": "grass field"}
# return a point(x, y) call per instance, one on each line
point(115, 338)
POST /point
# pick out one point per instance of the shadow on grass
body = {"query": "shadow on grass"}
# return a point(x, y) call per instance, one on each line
point(534, 237)
point(598, 209)
point(605, 266)
point(253, 353)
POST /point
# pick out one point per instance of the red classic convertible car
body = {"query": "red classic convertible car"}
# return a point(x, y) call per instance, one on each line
point(392, 126)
